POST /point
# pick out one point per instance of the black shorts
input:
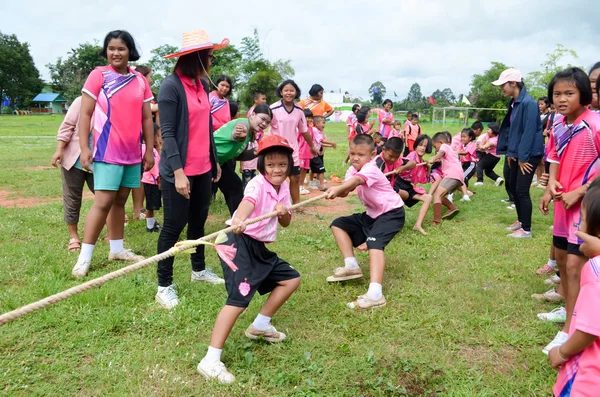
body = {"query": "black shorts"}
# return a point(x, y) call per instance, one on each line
point(153, 197)
point(563, 244)
point(295, 170)
point(317, 165)
point(401, 184)
point(377, 233)
point(258, 270)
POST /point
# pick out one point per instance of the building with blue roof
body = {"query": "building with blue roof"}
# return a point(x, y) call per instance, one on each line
point(49, 103)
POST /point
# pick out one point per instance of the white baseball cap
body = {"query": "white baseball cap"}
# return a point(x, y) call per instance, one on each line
point(509, 75)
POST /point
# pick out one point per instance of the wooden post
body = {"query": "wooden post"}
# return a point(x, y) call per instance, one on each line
point(444, 117)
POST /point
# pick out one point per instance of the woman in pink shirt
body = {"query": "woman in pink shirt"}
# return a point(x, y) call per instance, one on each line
point(119, 98)
point(219, 105)
point(288, 121)
point(74, 176)
point(188, 163)
point(452, 177)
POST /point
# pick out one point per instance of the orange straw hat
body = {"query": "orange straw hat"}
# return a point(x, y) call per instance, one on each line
point(197, 40)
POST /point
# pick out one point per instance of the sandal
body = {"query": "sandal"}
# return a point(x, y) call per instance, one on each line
point(74, 245)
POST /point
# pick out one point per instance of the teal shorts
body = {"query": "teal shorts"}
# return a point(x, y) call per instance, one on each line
point(111, 176)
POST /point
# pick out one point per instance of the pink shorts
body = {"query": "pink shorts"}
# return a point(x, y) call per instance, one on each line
point(305, 164)
point(566, 222)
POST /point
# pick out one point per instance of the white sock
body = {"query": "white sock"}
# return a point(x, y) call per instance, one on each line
point(351, 263)
point(552, 263)
point(213, 355)
point(150, 222)
point(375, 291)
point(86, 251)
point(116, 246)
point(261, 322)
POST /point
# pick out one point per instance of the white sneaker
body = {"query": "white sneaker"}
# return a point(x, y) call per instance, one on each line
point(81, 268)
point(549, 296)
point(167, 297)
point(207, 276)
point(314, 184)
point(554, 279)
point(499, 181)
point(558, 315)
point(478, 184)
point(450, 197)
point(215, 370)
point(514, 227)
point(125, 255)
point(511, 207)
point(304, 190)
point(465, 198)
point(534, 181)
point(559, 340)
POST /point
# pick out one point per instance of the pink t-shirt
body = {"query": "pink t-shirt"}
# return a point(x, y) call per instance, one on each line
point(457, 142)
point(288, 125)
point(487, 140)
point(580, 376)
point(417, 174)
point(577, 150)
point(117, 122)
point(262, 194)
point(219, 110)
point(470, 148)
point(451, 167)
point(394, 133)
point(377, 195)
point(151, 177)
point(384, 129)
point(318, 137)
point(197, 160)
point(411, 131)
point(303, 148)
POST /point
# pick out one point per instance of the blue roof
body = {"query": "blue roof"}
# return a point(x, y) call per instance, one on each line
point(49, 97)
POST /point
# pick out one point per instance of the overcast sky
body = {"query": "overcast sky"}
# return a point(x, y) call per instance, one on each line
point(340, 44)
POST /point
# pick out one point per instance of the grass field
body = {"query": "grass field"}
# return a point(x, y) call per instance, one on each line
point(459, 319)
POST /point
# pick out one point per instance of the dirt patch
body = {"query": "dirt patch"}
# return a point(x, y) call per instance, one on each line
point(486, 358)
point(10, 199)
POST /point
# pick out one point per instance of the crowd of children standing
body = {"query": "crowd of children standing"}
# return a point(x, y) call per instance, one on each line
point(387, 168)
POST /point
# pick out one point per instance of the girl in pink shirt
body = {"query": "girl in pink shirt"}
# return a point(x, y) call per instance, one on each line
point(288, 121)
point(304, 151)
point(386, 118)
point(119, 99)
point(487, 145)
point(452, 177)
point(574, 156)
point(579, 357)
point(468, 157)
point(396, 130)
point(254, 267)
point(219, 105)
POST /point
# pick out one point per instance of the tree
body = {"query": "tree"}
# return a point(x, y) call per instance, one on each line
point(537, 82)
point(484, 95)
point(415, 99)
point(444, 97)
point(19, 78)
point(161, 67)
point(377, 92)
point(258, 73)
point(69, 75)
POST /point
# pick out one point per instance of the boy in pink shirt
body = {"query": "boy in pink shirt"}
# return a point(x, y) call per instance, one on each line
point(304, 150)
point(371, 230)
point(452, 178)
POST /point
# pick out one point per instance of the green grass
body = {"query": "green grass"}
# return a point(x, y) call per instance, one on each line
point(459, 319)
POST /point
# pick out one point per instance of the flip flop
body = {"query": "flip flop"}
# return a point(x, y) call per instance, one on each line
point(74, 245)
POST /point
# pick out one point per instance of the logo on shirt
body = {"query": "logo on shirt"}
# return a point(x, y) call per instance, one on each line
point(371, 239)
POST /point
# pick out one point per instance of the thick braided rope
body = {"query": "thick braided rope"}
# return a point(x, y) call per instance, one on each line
point(50, 300)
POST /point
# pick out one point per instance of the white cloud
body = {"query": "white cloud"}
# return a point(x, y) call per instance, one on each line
point(343, 45)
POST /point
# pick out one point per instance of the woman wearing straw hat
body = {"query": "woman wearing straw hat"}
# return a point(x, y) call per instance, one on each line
point(188, 165)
